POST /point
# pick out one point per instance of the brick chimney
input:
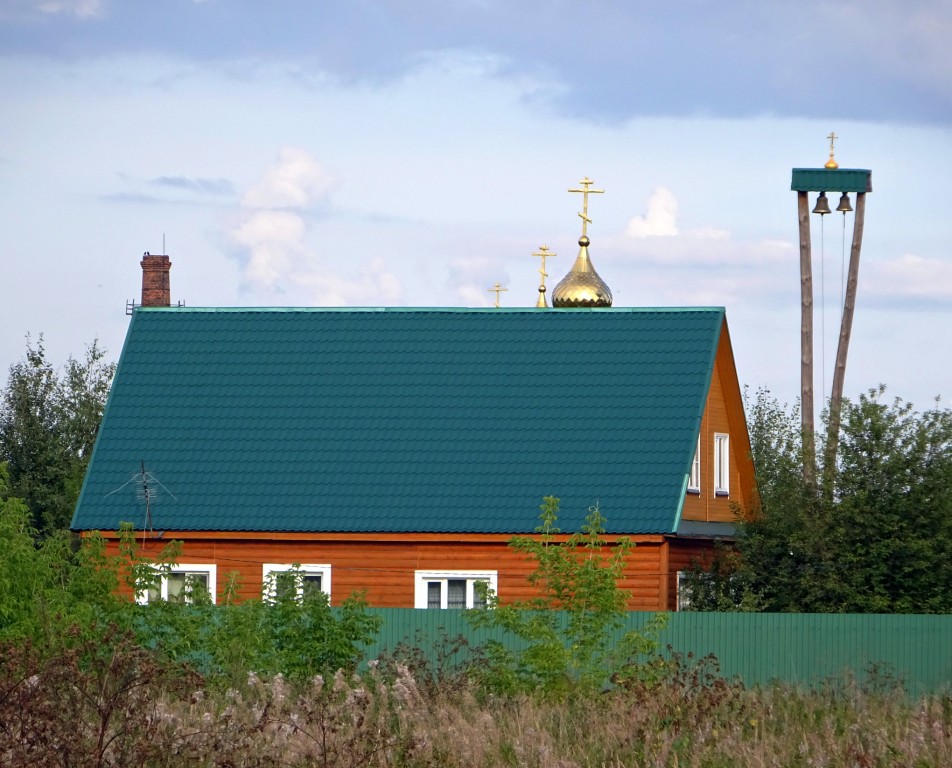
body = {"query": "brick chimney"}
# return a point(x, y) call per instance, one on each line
point(155, 281)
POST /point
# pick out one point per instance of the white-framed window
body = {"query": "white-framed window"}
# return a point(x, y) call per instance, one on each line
point(683, 596)
point(722, 464)
point(181, 583)
point(694, 482)
point(278, 579)
point(451, 589)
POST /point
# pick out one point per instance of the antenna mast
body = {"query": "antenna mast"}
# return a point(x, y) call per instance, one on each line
point(146, 494)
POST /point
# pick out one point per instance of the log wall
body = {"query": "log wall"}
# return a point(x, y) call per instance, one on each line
point(382, 567)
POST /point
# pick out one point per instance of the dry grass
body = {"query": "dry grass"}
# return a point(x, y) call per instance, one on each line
point(128, 712)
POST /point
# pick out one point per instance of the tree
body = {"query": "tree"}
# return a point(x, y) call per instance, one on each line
point(570, 633)
point(876, 536)
point(48, 424)
point(45, 586)
point(893, 507)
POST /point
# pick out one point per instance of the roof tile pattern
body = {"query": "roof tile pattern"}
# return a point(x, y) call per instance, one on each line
point(401, 420)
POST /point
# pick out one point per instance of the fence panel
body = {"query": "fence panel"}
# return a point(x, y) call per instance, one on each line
point(801, 649)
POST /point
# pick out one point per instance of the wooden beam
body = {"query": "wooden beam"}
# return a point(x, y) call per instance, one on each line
point(664, 577)
point(846, 327)
point(806, 338)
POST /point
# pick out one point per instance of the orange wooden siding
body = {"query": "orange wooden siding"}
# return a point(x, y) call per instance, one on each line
point(384, 570)
point(682, 555)
point(723, 413)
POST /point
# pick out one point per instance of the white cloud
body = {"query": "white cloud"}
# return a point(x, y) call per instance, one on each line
point(472, 295)
point(274, 237)
point(297, 180)
point(709, 233)
point(908, 277)
point(83, 8)
point(472, 279)
point(274, 241)
point(707, 248)
point(374, 286)
point(661, 219)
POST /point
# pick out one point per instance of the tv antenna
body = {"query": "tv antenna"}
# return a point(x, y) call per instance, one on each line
point(147, 488)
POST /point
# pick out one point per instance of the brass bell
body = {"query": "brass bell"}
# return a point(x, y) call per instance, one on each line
point(844, 205)
point(822, 206)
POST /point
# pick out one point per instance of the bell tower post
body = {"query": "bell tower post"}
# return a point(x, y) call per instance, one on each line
point(845, 180)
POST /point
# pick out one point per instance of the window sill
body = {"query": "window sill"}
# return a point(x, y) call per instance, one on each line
point(722, 494)
point(694, 491)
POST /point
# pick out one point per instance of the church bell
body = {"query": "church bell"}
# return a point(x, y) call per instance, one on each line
point(822, 206)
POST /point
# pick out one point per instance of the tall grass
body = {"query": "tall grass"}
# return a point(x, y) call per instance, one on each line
point(115, 706)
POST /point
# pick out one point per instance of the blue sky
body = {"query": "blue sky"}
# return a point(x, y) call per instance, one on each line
point(413, 153)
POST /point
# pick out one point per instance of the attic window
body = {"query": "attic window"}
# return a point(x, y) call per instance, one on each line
point(694, 482)
point(721, 464)
point(451, 589)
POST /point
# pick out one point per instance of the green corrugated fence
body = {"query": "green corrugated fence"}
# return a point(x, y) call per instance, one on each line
point(799, 648)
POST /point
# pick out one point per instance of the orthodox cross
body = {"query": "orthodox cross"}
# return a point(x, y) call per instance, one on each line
point(544, 252)
point(498, 289)
point(831, 163)
point(585, 184)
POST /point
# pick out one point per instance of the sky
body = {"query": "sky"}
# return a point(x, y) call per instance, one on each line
point(414, 153)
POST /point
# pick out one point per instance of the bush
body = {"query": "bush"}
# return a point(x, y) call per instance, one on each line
point(570, 634)
point(296, 635)
point(94, 704)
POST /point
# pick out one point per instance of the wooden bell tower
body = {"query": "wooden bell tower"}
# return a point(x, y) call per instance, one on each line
point(830, 178)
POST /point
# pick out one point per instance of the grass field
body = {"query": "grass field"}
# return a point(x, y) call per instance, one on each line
point(119, 707)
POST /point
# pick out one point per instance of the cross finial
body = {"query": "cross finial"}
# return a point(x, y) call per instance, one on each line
point(831, 163)
point(543, 252)
point(585, 191)
point(498, 289)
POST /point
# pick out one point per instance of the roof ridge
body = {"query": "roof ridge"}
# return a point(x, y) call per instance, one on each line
point(452, 310)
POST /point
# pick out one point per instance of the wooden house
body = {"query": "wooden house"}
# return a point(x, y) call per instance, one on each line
point(395, 451)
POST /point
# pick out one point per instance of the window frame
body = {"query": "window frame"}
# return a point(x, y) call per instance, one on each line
point(694, 479)
point(267, 569)
point(162, 575)
point(682, 595)
point(722, 465)
point(683, 598)
point(423, 578)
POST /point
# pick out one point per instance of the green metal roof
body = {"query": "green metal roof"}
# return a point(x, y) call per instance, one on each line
point(705, 530)
point(391, 420)
point(831, 180)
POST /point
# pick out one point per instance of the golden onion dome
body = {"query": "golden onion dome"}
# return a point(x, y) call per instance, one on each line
point(582, 287)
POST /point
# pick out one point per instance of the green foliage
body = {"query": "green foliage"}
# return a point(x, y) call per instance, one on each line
point(58, 597)
point(720, 583)
point(48, 423)
point(893, 507)
point(297, 634)
point(46, 586)
point(570, 633)
point(144, 574)
point(308, 635)
point(876, 537)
